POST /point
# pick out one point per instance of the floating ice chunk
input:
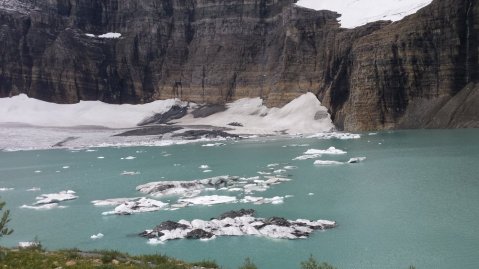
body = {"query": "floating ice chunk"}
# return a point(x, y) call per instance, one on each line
point(135, 206)
point(235, 223)
point(235, 189)
point(186, 188)
point(6, 189)
point(43, 207)
point(204, 166)
point(290, 167)
point(273, 165)
point(37, 171)
point(113, 202)
point(129, 158)
point(371, 134)
point(66, 167)
point(208, 200)
point(263, 173)
point(329, 151)
point(342, 136)
point(213, 145)
point(321, 162)
point(261, 200)
point(97, 236)
point(28, 244)
point(357, 160)
point(90, 35)
point(249, 188)
point(130, 173)
point(207, 171)
point(279, 171)
point(100, 157)
point(307, 157)
point(110, 35)
point(34, 189)
point(310, 194)
point(55, 197)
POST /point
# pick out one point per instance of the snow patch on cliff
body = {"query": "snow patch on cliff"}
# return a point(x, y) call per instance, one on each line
point(303, 115)
point(359, 12)
point(22, 109)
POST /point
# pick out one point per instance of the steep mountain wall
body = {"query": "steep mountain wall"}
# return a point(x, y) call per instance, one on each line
point(379, 76)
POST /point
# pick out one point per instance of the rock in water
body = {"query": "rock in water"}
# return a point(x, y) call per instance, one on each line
point(199, 234)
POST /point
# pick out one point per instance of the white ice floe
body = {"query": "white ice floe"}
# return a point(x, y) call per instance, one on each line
point(6, 189)
point(213, 145)
point(204, 166)
point(310, 194)
point(207, 171)
point(321, 162)
point(273, 165)
point(307, 157)
point(65, 167)
point(43, 207)
point(97, 236)
point(261, 200)
point(34, 189)
point(90, 35)
point(235, 223)
point(110, 35)
point(131, 206)
point(100, 157)
point(28, 244)
point(37, 171)
point(129, 158)
point(359, 12)
point(335, 135)
point(208, 200)
point(130, 173)
point(329, 151)
point(186, 188)
point(55, 197)
point(357, 160)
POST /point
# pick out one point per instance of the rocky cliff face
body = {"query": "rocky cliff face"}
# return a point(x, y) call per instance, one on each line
point(418, 72)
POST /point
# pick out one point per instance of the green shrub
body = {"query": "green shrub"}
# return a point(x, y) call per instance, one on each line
point(311, 263)
point(248, 264)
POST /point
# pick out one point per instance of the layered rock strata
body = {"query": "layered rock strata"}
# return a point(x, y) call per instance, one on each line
point(415, 73)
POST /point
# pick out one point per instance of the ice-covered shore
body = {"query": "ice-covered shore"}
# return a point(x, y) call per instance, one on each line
point(28, 124)
point(236, 223)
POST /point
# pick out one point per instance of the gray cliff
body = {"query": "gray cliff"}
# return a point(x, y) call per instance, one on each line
point(421, 72)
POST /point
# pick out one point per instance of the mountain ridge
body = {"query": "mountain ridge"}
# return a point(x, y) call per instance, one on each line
point(379, 76)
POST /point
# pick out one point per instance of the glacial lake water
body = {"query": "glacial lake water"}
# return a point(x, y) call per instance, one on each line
point(414, 201)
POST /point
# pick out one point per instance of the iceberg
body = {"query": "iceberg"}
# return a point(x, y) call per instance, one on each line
point(235, 223)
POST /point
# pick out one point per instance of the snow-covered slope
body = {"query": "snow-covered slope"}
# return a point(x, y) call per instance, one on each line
point(359, 12)
point(22, 109)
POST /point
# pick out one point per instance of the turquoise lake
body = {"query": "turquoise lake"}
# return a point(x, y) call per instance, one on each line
point(414, 201)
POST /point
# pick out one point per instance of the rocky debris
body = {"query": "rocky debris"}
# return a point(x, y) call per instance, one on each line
point(64, 141)
point(175, 112)
point(199, 234)
point(235, 214)
point(237, 223)
point(210, 134)
point(207, 110)
point(153, 130)
point(236, 124)
point(169, 226)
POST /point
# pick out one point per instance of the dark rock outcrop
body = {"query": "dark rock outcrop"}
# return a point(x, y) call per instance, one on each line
point(419, 72)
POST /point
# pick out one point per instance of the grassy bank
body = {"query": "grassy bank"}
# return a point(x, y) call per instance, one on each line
point(37, 258)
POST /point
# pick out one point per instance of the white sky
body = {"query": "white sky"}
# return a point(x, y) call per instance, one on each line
point(359, 12)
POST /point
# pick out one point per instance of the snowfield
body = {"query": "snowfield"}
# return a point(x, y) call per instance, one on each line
point(359, 12)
